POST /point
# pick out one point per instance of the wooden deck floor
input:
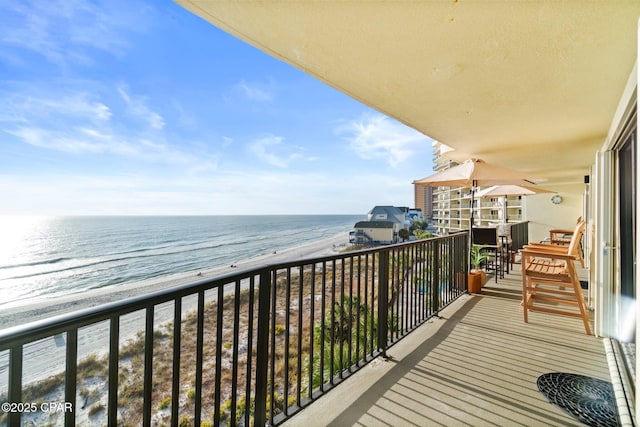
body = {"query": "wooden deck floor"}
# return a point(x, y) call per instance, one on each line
point(476, 365)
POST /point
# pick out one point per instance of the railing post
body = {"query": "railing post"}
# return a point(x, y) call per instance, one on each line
point(383, 301)
point(451, 264)
point(148, 367)
point(466, 267)
point(435, 286)
point(71, 377)
point(114, 349)
point(15, 383)
point(199, 358)
point(262, 348)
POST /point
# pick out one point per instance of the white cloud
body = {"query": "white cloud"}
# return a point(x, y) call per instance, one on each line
point(378, 137)
point(83, 140)
point(56, 141)
point(79, 122)
point(65, 31)
point(256, 91)
point(94, 134)
point(50, 108)
point(265, 149)
point(137, 107)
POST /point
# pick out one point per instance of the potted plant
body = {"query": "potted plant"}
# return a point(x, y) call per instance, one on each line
point(477, 277)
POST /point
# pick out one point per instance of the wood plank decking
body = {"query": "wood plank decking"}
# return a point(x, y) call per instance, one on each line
point(476, 365)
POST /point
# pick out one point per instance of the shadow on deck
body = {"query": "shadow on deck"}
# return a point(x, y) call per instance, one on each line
point(475, 365)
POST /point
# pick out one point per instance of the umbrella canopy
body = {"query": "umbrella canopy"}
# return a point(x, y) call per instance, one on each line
point(473, 173)
point(511, 190)
point(476, 172)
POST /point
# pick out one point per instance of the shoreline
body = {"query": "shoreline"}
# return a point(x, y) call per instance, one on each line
point(38, 310)
point(47, 356)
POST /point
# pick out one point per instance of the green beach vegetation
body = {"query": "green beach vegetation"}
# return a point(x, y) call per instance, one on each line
point(323, 323)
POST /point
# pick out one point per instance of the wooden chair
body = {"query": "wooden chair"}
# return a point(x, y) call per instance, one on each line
point(549, 276)
point(562, 237)
point(573, 247)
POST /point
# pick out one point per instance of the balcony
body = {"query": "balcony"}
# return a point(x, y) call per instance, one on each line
point(250, 348)
point(372, 337)
point(476, 364)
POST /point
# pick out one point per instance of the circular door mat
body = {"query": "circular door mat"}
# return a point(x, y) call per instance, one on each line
point(587, 399)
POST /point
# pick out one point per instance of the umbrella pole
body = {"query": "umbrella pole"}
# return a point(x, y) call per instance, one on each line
point(473, 189)
point(506, 211)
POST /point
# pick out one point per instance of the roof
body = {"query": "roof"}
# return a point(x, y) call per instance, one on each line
point(389, 210)
point(374, 224)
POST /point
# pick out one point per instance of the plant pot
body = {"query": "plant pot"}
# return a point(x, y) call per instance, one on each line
point(483, 274)
point(474, 282)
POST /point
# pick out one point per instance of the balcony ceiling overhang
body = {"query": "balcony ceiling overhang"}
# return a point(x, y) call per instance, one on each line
point(532, 84)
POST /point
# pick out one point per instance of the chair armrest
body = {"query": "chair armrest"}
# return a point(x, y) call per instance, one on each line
point(527, 252)
point(547, 247)
point(561, 231)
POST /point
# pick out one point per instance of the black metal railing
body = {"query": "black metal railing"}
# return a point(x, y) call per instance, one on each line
point(251, 348)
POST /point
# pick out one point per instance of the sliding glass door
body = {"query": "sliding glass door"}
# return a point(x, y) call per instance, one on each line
point(627, 197)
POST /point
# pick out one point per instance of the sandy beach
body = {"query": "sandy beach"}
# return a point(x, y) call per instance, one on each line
point(46, 357)
point(12, 316)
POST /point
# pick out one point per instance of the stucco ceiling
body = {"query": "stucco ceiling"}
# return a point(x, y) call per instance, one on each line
point(529, 84)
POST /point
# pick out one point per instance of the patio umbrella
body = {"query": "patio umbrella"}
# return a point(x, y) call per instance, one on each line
point(510, 190)
point(475, 172)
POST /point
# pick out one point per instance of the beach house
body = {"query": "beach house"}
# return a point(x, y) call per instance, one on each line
point(381, 227)
point(373, 233)
point(390, 336)
point(387, 213)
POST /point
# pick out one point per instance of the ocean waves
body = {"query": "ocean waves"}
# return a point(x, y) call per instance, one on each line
point(62, 265)
point(69, 255)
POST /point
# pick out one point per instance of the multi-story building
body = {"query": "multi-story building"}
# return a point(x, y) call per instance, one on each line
point(423, 197)
point(450, 206)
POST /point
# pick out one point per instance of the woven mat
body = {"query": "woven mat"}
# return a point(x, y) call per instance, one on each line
point(587, 399)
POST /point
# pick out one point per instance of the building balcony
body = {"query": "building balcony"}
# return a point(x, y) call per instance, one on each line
point(475, 364)
point(385, 336)
point(248, 348)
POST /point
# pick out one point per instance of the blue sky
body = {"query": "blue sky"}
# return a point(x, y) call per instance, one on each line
point(141, 108)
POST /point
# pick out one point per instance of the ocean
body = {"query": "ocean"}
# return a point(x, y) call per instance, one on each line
point(44, 257)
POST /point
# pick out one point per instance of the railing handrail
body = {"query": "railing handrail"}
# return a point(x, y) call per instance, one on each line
point(91, 315)
point(87, 316)
point(410, 281)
